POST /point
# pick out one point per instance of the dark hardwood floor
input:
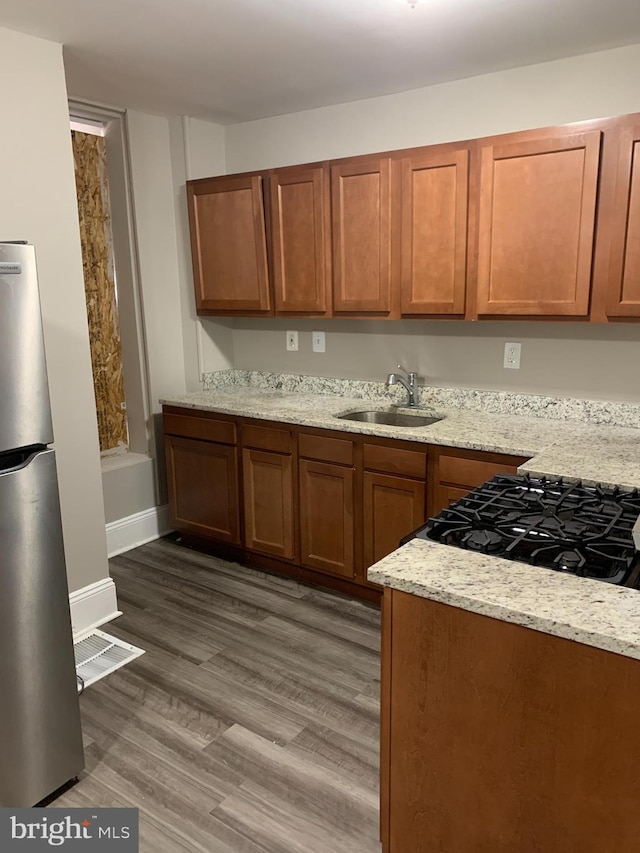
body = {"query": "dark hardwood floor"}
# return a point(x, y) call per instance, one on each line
point(251, 724)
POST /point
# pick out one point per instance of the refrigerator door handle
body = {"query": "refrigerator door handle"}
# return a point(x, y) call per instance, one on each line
point(12, 462)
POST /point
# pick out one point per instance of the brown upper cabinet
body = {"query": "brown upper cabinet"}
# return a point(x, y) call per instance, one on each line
point(623, 292)
point(228, 245)
point(300, 238)
point(536, 224)
point(433, 234)
point(361, 207)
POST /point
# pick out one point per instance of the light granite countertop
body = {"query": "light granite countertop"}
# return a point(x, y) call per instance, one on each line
point(587, 611)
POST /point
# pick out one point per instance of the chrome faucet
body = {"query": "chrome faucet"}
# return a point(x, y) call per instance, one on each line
point(411, 385)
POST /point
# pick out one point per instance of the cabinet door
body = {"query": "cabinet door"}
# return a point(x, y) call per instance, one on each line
point(537, 214)
point(301, 223)
point(228, 244)
point(361, 207)
point(327, 517)
point(624, 267)
point(446, 496)
point(268, 502)
point(435, 202)
point(203, 488)
point(393, 507)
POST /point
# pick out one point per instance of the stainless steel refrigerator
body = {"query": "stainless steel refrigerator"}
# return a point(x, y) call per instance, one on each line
point(40, 734)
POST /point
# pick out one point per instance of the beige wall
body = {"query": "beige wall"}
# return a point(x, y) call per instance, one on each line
point(599, 362)
point(164, 153)
point(574, 89)
point(39, 205)
point(199, 152)
point(569, 359)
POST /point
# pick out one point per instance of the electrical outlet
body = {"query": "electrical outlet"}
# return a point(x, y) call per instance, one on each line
point(318, 342)
point(512, 356)
point(292, 342)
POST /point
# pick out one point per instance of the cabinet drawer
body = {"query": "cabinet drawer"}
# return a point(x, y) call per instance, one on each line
point(267, 438)
point(336, 450)
point(207, 429)
point(469, 472)
point(393, 460)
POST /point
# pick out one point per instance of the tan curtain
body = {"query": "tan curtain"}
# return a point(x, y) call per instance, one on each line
point(94, 209)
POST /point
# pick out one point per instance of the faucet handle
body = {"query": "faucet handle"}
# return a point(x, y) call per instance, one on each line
point(411, 375)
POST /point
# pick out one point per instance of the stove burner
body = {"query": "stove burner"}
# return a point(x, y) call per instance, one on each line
point(486, 541)
point(570, 561)
point(567, 527)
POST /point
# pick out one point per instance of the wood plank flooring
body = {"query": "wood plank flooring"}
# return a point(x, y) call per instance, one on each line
point(251, 724)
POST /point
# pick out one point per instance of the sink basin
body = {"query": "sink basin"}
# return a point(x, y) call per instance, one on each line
point(399, 419)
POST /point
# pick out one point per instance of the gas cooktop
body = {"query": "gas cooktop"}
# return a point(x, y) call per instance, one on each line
point(567, 527)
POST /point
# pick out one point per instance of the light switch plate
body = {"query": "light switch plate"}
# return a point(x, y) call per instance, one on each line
point(318, 342)
point(292, 342)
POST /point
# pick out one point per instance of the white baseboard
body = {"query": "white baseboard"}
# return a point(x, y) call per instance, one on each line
point(93, 605)
point(134, 530)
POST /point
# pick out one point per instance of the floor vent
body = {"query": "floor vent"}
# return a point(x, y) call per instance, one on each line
point(98, 654)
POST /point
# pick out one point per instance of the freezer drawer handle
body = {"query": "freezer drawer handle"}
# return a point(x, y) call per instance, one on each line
point(12, 462)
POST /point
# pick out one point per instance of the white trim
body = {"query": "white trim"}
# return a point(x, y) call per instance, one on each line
point(134, 530)
point(93, 605)
point(93, 128)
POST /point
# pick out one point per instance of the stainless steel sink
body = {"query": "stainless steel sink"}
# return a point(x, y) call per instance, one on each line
point(399, 419)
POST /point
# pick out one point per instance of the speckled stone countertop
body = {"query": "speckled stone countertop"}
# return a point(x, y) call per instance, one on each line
point(513, 434)
point(586, 611)
point(609, 456)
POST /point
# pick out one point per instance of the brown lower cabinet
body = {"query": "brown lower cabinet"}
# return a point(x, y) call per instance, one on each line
point(319, 505)
point(394, 496)
point(268, 494)
point(202, 474)
point(500, 739)
point(457, 472)
point(203, 488)
point(268, 502)
point(393, 507)
point(327, 517)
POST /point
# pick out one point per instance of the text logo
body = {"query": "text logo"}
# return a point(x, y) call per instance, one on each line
point(84, 830)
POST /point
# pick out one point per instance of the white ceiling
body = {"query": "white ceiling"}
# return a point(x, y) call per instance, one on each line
point(235, 60)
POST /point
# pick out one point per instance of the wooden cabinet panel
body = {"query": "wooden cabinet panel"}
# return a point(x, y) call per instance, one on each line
point(624, 267)
point(267, 438)
point(361, 206)
point(461, 471)
point(327, 513)
point(208, 429)
point(537, 219)
point(268, 503)
point(300, 229)
point(435, 202)
point(445, 496)
point(203, 488)
point(456, 476)
point(393, 507)
point(326, 449)
point(395, 460)
point(490, 725)
point(228, 244)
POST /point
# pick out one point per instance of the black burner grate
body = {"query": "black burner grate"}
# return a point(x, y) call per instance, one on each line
point(568, 527)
